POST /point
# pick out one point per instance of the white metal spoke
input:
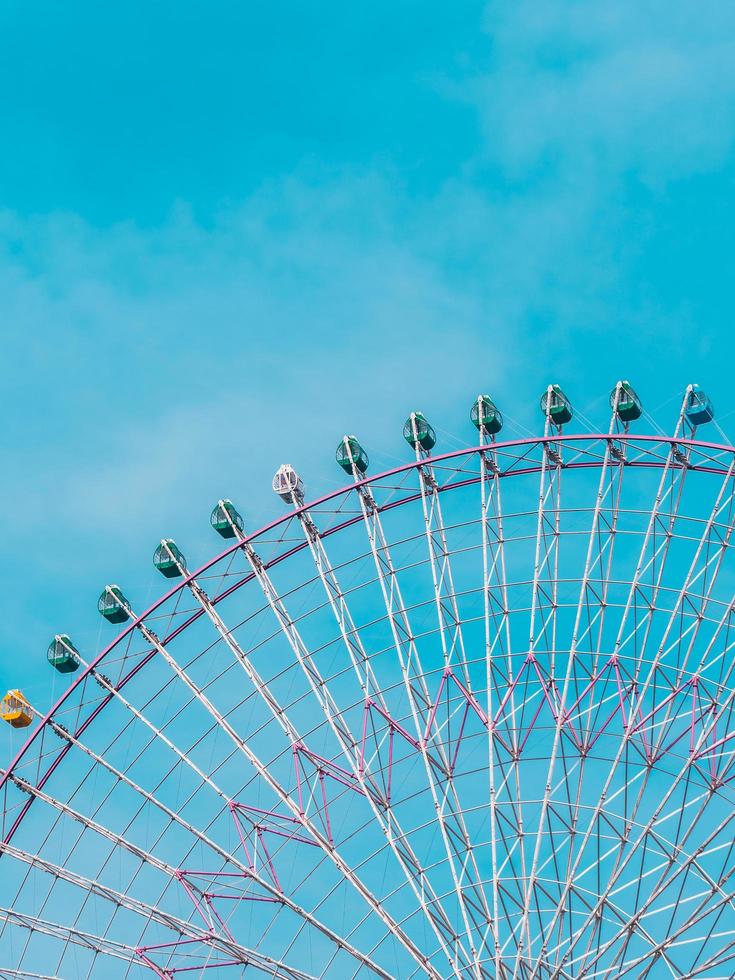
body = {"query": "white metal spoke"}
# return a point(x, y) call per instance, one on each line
point(458, 845)
point(130, 903)
point(285, 798)
point(592, 602)
point(423, 706)
point(99, 944)
point(497, 637)
point(381, 808)
point(644, 562)
point(371, 691)
point(542, 640)
point(263, 882)
point(390, 732)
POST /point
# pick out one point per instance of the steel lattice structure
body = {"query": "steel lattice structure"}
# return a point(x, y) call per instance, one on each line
point(469, 717)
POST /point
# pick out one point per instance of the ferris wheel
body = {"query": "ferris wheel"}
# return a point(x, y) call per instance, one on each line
point(470, 717)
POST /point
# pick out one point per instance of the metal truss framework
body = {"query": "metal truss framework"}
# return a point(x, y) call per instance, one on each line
point(507, 758)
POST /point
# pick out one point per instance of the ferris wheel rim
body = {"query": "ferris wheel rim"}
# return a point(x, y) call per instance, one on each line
point(544, 451)
point(47, 721)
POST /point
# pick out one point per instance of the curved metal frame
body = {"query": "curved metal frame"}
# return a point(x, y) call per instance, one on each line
point(678, 457)
point(304, 508)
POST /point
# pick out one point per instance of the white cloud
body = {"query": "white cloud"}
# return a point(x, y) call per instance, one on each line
point(646, 87)
point(151, 369)
point(163, 355)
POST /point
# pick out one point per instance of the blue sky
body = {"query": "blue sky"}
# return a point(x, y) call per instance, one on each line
point(229, 234)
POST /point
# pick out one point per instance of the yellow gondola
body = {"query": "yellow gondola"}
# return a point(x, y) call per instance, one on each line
point(16, 710)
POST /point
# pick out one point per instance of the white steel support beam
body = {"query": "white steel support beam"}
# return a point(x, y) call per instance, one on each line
point(496, 614)
point(206, 780)
point(263, 882)
point(267, 776)
point(382, 811)
point(651, 561)
point(458, 846)
point(660, 813)
point(248, 955)
point(542, 636)
point(77, 937)
point(371, 690)
point(664, 881)
point(123, 900)
point(598, 560)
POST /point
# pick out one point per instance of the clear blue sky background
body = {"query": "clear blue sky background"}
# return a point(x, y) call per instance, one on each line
point(230, 232)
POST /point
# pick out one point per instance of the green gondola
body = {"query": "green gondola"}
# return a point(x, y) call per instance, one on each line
point(629, 406)
point(699, 408)
point(226, 520)
point(113, 605)
point(486, 415)
point(424, 438)
point(556, 406)
point(168, 559)
point(350, 453)
point(62, 654)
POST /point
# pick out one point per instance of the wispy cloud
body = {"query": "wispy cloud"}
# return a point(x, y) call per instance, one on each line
point(147, 370)
point(642, 88)
point(594, 121)
point(178, 356)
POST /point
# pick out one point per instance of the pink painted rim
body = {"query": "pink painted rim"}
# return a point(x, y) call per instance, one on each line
point(332, 495)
